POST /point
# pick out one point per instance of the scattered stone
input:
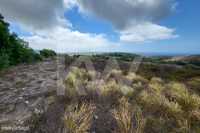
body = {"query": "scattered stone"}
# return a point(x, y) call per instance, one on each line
point(20, 98)
point(96, 117)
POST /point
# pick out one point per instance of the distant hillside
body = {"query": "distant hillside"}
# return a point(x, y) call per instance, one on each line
point(186, 58)
point(192, 59)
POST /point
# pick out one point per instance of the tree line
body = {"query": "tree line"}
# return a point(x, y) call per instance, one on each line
point(14, 50)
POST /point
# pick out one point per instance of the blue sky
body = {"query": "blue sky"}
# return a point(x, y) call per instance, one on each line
point(86, 27)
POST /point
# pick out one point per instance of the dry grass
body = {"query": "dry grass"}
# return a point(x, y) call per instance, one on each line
point(136, 78)
point(177, 105)
point(113, 74)
point(171, 106)
point(157, 85)
point(126, 117)
point(140, 121)
point(75, 82)
point(126, 90)
point(180, 93)
point(78, 119)
point(109, 87)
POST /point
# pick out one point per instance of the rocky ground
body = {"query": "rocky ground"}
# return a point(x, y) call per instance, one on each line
point(26, 90)
point(31, 103)
point(32, 99)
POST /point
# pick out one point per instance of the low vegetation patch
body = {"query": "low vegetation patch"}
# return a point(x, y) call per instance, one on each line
point(136, 103)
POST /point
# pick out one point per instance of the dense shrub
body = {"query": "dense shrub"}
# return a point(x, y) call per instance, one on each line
point(47, 53)
point(4, 61)
point(14, 50)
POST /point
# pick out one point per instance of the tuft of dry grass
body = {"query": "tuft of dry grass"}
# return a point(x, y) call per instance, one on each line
point(114, 73)
point(136, 78)
point(126, 90)
point(75, 82)
point(140, 121)
point(153, 102)
point(181, 94)
point(77, 119)
point(109, 87)
point(157, 85)
point(128, 119)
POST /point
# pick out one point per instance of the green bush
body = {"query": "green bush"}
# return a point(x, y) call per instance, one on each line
point(47, 53)
point(14, 50)
point(4, 61)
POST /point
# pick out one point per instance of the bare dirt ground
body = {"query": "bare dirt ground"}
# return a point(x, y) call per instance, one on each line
point(26, 90)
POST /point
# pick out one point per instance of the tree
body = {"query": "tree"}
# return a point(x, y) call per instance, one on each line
point(14, 50)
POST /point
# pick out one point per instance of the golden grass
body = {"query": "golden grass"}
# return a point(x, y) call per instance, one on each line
point(126, 116)
point(75, 82)
point(180, 93)
point(109, 87)
point(126, 90)
point(77, 119)
point(172, 102)
point(153, 102)
point(157, 85)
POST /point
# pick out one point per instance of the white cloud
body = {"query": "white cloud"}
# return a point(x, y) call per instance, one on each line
point(44, 19)
point(123, 12)
point(146, 32)
point(64, 40)
point(33, 14)
point(135, 21)
point(70, 3)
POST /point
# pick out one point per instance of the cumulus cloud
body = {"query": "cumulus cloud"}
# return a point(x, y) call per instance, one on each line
point(63, 40)
point(146, 32)
point(135, 20)
point(123, 12)
point(33, 14)
point(44, 19)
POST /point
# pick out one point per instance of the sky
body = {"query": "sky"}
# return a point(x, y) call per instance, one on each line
point(136, 26)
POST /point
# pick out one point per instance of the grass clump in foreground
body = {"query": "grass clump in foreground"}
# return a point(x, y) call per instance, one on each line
point(129, 120)
point(78, 118)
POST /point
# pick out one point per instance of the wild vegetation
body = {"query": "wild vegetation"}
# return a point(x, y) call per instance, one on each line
point(139, 103)
point(14, 50)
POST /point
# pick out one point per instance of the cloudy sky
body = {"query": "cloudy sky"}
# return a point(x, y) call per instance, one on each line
point(150, 26)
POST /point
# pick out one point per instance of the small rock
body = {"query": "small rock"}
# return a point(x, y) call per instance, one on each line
point(96, 117)
point(20, 122)
point(27, 102)
point(38, 111)
point(20, 98)
point(15, 90)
